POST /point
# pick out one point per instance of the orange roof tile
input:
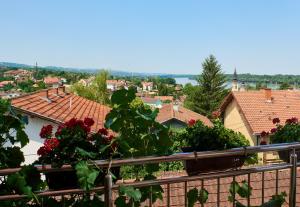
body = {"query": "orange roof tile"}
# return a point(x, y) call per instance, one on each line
point(51, 80)
point(61, 107)
point(167, 113)
point(259, 112)
point(164, 98)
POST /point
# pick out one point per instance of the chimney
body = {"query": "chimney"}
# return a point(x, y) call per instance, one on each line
point(268, 94)
point(47, 94)
point(56, 91)
point(175, 107)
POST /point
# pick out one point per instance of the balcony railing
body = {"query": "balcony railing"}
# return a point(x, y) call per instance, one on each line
point(215, 178)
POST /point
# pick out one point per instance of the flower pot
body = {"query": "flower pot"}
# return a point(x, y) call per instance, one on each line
point(62, 180)
point(285, 155)
point(194, 167)
point(68, 179)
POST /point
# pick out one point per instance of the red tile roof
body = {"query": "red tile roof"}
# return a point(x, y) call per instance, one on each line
point(260, 111)
point(60, 107)
point(51, 80)
point(4, 83)
point(167, 113)
point(164, 98)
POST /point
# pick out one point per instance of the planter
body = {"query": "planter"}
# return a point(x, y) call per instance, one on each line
point(285, 155)
point(62, 180)
point(194, 167)
point(68, 179)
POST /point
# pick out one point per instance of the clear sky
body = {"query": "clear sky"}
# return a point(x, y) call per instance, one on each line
point(166, 36)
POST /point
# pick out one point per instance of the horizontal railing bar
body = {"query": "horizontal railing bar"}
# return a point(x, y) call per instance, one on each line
point(208, 176)
point(170, 158)
point(145, 183)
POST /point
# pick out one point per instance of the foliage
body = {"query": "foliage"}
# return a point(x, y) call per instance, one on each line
point(138, 135)
point(211, 90)
point(215, 138)
point(75, 144)
point(284, 86)
point(245, 191)
point(194, 195)
point(289, 132)
point(27, 179)
point(97, 91)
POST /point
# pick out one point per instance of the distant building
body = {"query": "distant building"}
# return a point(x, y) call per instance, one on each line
point(87, 82)
point(4, 83)
point(9, 94)
point(54, 106)
point(235, 84)
point(251, 112)
point(176, 116)
point(53, 82)
point(114, 85)
point(152, 102)
point(19, 74)
point(147, 86)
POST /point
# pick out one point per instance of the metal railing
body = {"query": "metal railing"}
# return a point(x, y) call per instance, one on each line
point(109, 186)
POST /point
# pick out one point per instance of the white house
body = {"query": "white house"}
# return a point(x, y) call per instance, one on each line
point(54, 106)
point(147, 86)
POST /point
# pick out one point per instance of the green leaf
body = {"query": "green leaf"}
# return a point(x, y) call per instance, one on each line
point(22, 137)
point(85, 153)
point(192, 197)
point(244, 190)
point(86, 175)
point(130, 192)
point(203, 196)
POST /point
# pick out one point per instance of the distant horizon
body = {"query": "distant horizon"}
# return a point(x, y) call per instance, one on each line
point(172, 36)
point(128, 71)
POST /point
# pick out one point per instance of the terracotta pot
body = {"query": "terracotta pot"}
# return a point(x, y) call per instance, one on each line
point(194, 167)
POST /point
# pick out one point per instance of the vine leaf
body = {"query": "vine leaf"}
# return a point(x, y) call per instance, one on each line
point(86, 175)
point(192, 196)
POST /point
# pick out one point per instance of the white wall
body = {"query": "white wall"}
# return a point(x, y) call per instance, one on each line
point(35, 142)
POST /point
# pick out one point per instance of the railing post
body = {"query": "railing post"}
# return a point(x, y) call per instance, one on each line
point(293, 184)
point(108, 191)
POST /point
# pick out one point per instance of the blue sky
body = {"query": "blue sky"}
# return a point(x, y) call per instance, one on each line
point(166, 36)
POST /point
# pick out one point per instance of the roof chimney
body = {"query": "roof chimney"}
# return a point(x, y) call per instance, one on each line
point(268, 94)
point(175, 107)
point(47, 94)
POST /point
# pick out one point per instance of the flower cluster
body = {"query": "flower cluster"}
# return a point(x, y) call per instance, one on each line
point(49, 145)
point(46, 131)
point(292, 120)
point(191, 122)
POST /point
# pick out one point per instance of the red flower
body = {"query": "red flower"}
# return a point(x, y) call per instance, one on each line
point(42, 151)
point(103, 131)
point(276, 121)
point(264, 134)
point(216, 114)
point(59, 129)
point(191, 122)
point(46, 131)
point(71, 123)
point(88, 121)
point(294, 120)
point(273, 130)
point(50, 144)
point(263, 142)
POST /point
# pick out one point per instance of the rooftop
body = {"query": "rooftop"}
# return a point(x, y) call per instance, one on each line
point(59, 106)
point(260, 107)
point(171, 111)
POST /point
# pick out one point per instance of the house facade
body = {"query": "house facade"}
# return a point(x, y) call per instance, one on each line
point(176, 117)
point(252, 112)
point(54, 106)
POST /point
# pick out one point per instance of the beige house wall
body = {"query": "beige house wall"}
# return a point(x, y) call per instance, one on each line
point(234, 120)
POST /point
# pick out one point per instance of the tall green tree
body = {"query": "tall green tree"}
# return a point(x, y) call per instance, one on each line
point(211, 90)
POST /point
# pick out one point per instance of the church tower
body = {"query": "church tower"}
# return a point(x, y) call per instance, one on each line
point(235, 86)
